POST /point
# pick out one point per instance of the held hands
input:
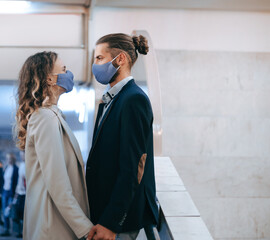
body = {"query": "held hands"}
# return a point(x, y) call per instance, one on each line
point(99, 232)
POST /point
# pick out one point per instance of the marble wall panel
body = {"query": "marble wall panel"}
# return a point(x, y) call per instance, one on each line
point(216, 129)
point(234, 218)
point(216, 136)
point(213, 177)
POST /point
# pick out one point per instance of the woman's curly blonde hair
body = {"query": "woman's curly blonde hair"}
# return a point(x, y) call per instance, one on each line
point(33, 91)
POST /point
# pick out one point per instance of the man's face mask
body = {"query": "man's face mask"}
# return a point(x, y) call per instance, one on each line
point(104, 72)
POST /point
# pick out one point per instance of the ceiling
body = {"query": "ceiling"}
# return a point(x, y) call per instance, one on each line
point(72, 2)
point(242, 5)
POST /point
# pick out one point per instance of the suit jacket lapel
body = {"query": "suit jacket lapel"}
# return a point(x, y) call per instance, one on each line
point(71, 136)
point(98, 127)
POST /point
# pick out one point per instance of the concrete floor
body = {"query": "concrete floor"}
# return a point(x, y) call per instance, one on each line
point(8, 238)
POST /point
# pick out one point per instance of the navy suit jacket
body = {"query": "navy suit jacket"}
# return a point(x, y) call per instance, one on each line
point(120, 167)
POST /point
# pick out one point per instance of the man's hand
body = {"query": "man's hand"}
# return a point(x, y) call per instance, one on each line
point(99, 232)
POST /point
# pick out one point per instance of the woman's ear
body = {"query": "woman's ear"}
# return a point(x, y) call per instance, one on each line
point(51, 81)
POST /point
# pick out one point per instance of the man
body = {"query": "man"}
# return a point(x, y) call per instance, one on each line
point(120, 167)
point(10, 183)
point(19, 198)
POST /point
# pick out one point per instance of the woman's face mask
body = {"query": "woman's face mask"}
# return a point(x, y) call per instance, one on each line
point(65, 80)
point(104, 72)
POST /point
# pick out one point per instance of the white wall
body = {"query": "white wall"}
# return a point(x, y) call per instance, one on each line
point(216, 109)
point(189, 30)
point(41, 30)
point(23, 35)
point(215, 71)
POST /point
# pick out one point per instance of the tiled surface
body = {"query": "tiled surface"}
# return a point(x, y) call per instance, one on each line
point(177, 204)
point(169, 184)
point(213, 177)
point(250, 215)
point(164, 167)
point(216, 129)
point(180, 211)
point(167, 178)
point(188, 228)
point(216, 136)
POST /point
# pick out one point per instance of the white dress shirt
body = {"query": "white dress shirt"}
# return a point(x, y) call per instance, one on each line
point(20, 189)
point(7, 177)
point(112, 92)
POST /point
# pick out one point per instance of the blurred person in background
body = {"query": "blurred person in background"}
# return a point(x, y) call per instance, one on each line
point(19, 198)
point(1, 177)
point(1, 189)
point(10, 183)
point(56, 204)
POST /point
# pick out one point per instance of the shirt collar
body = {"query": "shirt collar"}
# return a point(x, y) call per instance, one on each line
point(107, 97)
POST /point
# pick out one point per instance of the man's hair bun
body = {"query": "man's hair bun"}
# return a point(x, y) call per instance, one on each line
point(141, 44)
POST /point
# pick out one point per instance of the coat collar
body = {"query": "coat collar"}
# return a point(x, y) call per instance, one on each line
point(70, 134)
point(113, 91)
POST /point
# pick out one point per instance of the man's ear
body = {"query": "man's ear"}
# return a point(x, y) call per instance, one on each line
point(122, 59)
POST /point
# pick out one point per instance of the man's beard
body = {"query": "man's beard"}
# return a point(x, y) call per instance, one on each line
point(114, 76)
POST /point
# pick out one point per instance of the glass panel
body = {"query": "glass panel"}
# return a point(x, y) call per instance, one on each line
point(147, 74)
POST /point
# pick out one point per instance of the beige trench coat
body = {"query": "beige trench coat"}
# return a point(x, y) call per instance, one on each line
point(56, 205)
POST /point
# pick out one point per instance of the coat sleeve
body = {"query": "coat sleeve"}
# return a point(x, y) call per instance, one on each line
point(47, 136)
point(135, 129)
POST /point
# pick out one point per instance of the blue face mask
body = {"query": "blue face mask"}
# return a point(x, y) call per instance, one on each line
point(104, 72)
point(65, 80)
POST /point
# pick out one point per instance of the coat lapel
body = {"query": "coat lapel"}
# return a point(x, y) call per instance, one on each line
point(70, 135)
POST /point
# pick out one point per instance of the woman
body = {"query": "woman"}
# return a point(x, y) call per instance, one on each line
point(56, 204)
